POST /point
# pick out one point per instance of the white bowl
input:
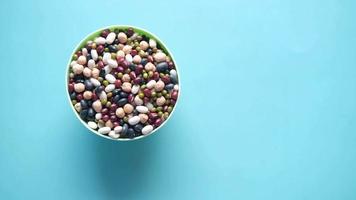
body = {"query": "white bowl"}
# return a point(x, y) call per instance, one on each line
point(94, 34)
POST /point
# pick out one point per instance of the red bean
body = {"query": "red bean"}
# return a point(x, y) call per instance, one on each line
point(132, 75)
point(71, 87)
point(155, 76)
point(153, 115)
point(105, 33)
point(100, 49)
point(113, 118)
point(115, 123)
point(174, 95)
point(118, 83)
point(113, 107)
point(120, 69)
point(139, 69)
point(138, 80)
point(133, 53)
point(166, 79)
point(120, 60)
point(100, 64)
point(158, 122)
point(94, 97)
point(147, 92)
point(105, 118)
point(79, 97)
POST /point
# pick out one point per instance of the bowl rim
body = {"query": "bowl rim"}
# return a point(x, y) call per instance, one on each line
point(92, 34)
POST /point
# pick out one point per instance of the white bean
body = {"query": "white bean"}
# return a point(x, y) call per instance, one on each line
point(147, 129)
point(104, 130)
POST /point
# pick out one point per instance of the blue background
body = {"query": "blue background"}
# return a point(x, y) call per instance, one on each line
point(267, 109)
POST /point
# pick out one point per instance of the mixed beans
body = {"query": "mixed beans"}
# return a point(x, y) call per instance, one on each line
point(123, 84)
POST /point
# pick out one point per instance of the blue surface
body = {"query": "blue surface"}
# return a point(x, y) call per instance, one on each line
point(267, 111)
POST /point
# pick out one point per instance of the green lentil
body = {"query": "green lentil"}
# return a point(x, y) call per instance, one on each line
point(105, 82)
point(103, 101)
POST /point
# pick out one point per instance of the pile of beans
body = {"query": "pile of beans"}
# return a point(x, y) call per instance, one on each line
point(123, 84)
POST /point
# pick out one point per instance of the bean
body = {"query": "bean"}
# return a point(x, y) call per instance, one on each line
point(169, 87)
point(125, 128)
point(94, 54)
point(159, 86)
point(82, 60)
point(110, 78)
point(160, 57)
point(110, 38)
point(151, 84)
point(110, 88)
point(134, 120)
point(77, 68)
point(92, 125)
point(97, 106)
point(152, 43)
point(126, 87)
point(122, 37)
point(79, 87)
point(162, 67)
point(131, 133)
point(142, 109)
point(122, 102)
point(138, 128)
point(118, 129)
point(143, 45)
point(83, 113)
point(128, 108)
point(100, 40)
point(112, 63)
point(104, 130)
point(88, 85)
point(77, 107)
point(120, 112)
point(147, 129)
point(113, 135)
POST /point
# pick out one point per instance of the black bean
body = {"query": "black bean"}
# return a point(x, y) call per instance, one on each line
point(138, 128)
point(83, 104)
point(115, 92)
point(112, 48)
point(91, 112)
point(122, 102)
point(89, 102)
point(99, 89)
point(102, 73)
point(88, 85)
point(144, 61)
point(125, 128)
point(169, 87)
point(162, 66)
point(121, 122)
point(174, 79)
point(129, 32)
point(73, 96)
point(131, 133)
point(116, 99)
point(79, 78)
point(132, 67)
point(123, 94)
point(83, 113)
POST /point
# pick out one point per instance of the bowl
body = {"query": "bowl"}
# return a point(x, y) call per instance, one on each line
point(141, 32)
